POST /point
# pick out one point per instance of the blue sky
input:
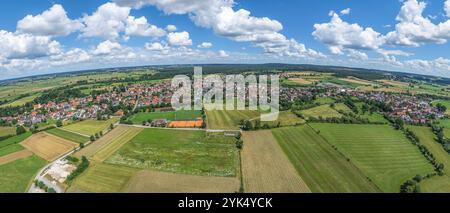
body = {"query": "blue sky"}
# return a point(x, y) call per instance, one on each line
point(61, 35)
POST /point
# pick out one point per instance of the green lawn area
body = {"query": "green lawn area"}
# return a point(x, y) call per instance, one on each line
point(68, 135)
point(380, 152)
point(90, 127)
point(14, 140)
point(374, 117)
point(102, 178)
point(16, 176)
point(324, 110)
point(445, 103)
point(427, 138)
point(320, 166)
point(172, 116)
point(5, 131)
point(189, 152)
point(10, 149)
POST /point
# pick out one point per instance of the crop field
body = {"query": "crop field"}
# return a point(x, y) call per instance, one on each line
point(14, 140)
point(102, 178)
point(147, 181)
point(115, 144)
point(357, 81)
point(172, 116)
point(93, 148)
point(380, 152)
point(265, 168)
point(437, 183)
point(300, 81)
point(325, 111)
point(5, 131)
point(342, 107)
point(90, 127)
point(324, 100)
point(68, 135)
point(6, 150)
point(323, 168)
point(228, 119)
point(189, 152)
point(285, 118)
point(394, 83)
point(47, 146)
point(21, 101)
point(15, 156)
point(17, 175)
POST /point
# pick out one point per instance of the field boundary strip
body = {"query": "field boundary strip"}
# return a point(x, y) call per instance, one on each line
point(15, 156)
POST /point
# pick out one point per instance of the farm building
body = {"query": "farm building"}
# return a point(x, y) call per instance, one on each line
point(159, 123)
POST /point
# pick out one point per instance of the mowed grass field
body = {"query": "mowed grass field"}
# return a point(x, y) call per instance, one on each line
point(437, 183)
point(116, 143)
point(48, 147)
point(228, 119)
point(93, 148)
point(17, 175)
point(189, 152)
point(77, 138)
point(90, 127)
point(265, 168)
point(21, 101)
point(102, 178)
point(4, 131)
point(325, 111)
point(285, 118)
point(172, 116)
point(146, 181)
point(380, 152)
point(323, 168)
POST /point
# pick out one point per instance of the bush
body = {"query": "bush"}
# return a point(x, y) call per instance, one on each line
point(80, 169)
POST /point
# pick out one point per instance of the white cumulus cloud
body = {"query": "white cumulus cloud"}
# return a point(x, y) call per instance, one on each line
point(140, 27)
point(106, 47)
point(345, 11)
point(171, 28)
point(52, 22)
point(16, 46)
point(205, 45)
point(179, 39)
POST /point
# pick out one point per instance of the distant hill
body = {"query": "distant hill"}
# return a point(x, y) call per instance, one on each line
point(368, 74)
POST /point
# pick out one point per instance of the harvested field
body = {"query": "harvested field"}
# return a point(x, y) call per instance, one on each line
point(147, 181)
point(116, 143)
point(265, 167)
point(102, 178)
point(395, 83)
point(15, 156)
point(300, 81)
point(94, 147)
point(285, 118)
point(47, 146)
point(323, 168)
point(383, 154)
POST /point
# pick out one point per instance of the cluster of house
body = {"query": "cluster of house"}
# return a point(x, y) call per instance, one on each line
point(136, 95)
point(411, 109)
